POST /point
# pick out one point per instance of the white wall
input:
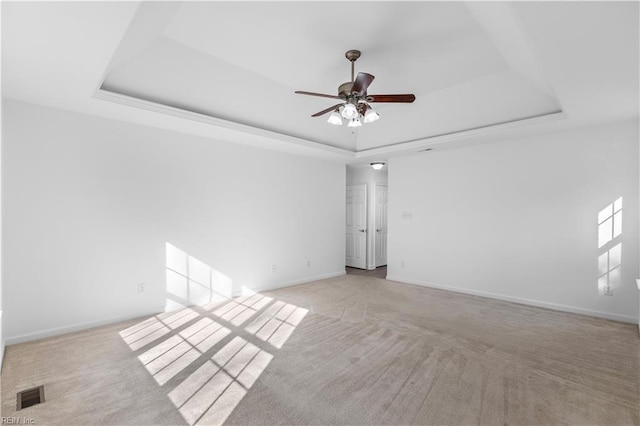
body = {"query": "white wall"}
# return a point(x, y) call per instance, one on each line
point(367, 175)
point(90, 204)
point(1, 243)
point(519, 220)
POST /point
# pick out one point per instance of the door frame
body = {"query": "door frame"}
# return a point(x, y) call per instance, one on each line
point(375, 222)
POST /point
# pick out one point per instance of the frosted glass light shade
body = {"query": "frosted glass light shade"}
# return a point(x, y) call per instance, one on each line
point(370, 116)
point(377, 166)
point(335, 119)
point(349, 111)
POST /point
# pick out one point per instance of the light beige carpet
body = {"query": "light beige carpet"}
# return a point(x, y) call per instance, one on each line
point(349, 350)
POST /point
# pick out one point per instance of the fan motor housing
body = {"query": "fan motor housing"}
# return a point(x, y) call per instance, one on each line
point(345, 88)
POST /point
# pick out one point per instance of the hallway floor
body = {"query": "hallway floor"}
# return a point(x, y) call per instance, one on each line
point(379, 272)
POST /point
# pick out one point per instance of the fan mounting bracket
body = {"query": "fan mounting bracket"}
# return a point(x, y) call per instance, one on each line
point(352, 55)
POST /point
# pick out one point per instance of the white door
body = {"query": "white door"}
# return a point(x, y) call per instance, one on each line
point(356, 229)
point(381, 225)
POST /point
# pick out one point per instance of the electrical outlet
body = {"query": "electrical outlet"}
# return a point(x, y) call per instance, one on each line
point(274, 269)
point(402, 263)
point(308, 264)
point(141, 288)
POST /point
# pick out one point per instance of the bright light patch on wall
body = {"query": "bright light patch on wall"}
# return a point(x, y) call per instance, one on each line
point(191, 281)
point(609, 264)
point(610, 222)
point(610, 258)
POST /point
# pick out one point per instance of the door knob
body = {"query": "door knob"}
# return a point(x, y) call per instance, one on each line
point(362, 230)
point(378, 230)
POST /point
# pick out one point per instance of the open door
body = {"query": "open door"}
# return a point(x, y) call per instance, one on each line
point(356, 226)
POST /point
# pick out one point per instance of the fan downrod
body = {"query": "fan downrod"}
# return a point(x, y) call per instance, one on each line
point(345, 88)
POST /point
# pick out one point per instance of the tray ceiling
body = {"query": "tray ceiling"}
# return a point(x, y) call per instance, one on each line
point(469, 66)
point(482, 72)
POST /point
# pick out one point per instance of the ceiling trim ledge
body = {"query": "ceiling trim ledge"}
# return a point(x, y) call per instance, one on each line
point(432, 141)
point(230, 131)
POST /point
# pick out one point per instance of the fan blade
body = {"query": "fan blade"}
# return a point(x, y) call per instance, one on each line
point(407, 98)
point(322, 95)
point(324, 111)
point(363, 80)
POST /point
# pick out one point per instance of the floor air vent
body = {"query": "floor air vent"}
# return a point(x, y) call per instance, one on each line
point(30, 397)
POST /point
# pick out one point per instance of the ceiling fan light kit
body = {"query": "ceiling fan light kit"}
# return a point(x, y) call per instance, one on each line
point(349, 111)
point(355, 106)
point(370, 116)
point(335, 118)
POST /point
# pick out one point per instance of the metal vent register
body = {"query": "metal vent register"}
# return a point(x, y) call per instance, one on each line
point(29, 397)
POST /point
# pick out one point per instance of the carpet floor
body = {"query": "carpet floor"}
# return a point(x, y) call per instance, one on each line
point(349, 350)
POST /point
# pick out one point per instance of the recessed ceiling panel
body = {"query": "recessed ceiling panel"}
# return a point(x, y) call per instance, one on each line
point(242, 62)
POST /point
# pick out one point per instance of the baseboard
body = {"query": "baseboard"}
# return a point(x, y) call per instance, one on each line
point(2, 344)
point(530, 302)
point(76, 327)
point(295, 282)
point(91, 324)
point(638, 284)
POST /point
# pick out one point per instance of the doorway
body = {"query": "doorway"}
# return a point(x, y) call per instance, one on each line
point(366, 217)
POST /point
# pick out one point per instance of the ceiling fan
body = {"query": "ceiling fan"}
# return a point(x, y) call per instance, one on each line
point(355, 101)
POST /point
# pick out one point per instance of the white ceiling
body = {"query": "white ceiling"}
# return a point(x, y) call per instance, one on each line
point(227, 70)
